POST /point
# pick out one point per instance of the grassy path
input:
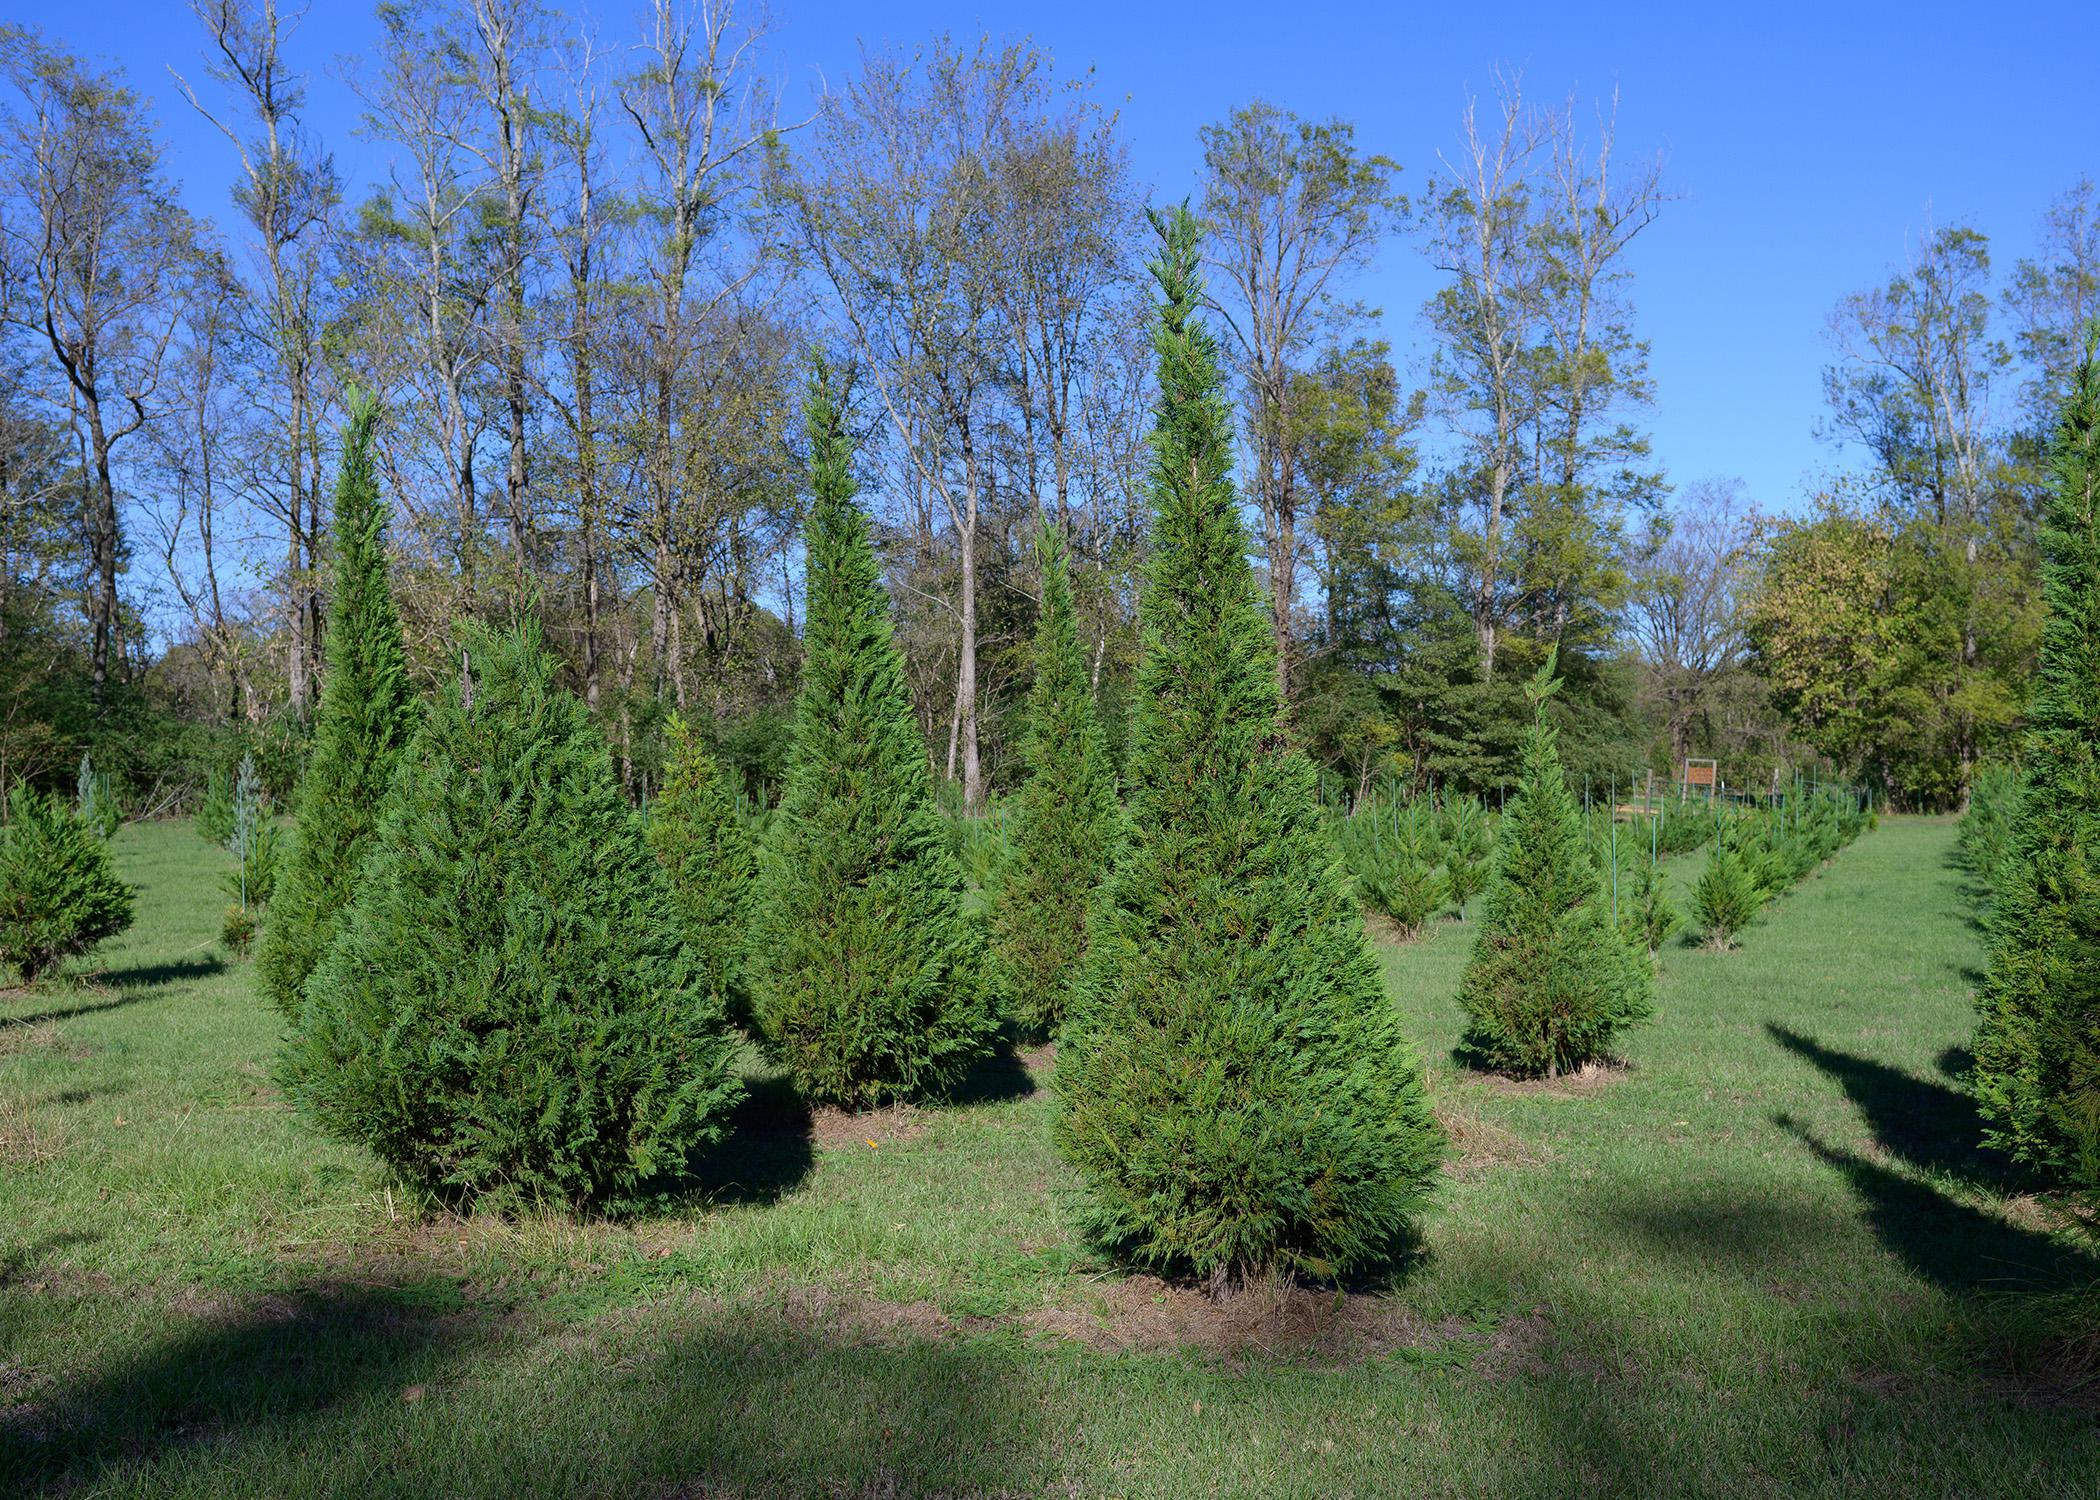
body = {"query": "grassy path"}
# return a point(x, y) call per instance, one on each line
point(1763, 1259)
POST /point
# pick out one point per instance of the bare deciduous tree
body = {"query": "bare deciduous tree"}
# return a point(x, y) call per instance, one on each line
point(97, 252)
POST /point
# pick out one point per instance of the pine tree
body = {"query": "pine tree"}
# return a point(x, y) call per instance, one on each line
point(1646, 914)
point(507, 1009)
point(1726, 897)
point(1552, 979)
point(711, 861)
point(1233, 1085)
point(863, 969)
point(366, 716)
point(214, 816)
point(2037, 1072)
point(59, 891)
point(1064, 820)
point(95, 799)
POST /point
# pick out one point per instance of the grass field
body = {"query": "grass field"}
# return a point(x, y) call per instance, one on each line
point(1764, 1258)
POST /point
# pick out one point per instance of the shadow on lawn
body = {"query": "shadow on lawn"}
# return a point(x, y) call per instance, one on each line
point(152, 976)
point(1958, 1248)
point(68, 1012)
point(364, 1391)
point(768, 1151)
point(997, 1077)
point(1925, 1123)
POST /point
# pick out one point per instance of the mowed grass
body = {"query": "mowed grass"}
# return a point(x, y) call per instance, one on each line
point(1763, 1258)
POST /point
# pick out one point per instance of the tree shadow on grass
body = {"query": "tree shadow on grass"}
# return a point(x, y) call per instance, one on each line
point(83, 1008)
point(1927, 1124)
point(151, 976)
point(357, 1391)
point(768, 1151)
point(996, 1078)
point(1958, 1248)
point(219, 1381)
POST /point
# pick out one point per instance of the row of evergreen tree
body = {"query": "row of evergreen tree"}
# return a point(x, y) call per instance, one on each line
point(2036, 1076)
point(501, 978)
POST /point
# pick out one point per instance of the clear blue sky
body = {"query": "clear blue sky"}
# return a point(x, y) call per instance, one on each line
point(1809, 143)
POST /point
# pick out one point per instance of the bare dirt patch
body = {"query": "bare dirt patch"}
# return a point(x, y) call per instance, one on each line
point(819, 1308)
point(1517, 1347)
point(1479, 1145)
point(1142, 1314)
point(1587, 1079)
point(16, 1037)
point(28, 1133)
point(837, 1129)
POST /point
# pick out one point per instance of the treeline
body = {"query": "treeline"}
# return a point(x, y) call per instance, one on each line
point(585, 296)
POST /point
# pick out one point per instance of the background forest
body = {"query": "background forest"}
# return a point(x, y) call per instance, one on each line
point(588, 292)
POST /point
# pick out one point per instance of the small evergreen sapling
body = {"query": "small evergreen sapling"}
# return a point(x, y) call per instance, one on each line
point(507, 1010)
point(365, 717)
point(1645, 909)
point(2037, 1072)
point(863, 969)
point(1552, 980)
point(1398, 865)
point(1727, 896)
point(95, 797)
point(59, 891)
point(1466, 847)
point(1233, 1084)
point(1064, 824)
point(711, 862)
point(214, 817)
point(254, 847)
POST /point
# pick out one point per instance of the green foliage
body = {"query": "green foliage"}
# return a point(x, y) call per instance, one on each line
point(1065, 820)
point(237, 930)
point(1647, 915)
point(253, 843)
point(1233, 1084)
point(1726, 898)
point(2037, 1073)
point(1986, 833)
point(59, 893)
point(1396, 860)
point(214, 818)
point(507, 1010)
point(864, 975)
point(1758, 855)
point(1467, 842)
point(95, 799)
point(365, 716)
point(1552, 979)
point(1862, 623)
point(711, 861)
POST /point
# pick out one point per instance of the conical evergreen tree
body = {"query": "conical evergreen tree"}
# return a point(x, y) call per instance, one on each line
point(711, 861)
point(1552, 978)
point(1064, 820)
point(2037, 1073)
point(366, 716)
point(507, 1009)
point(863, 970)
point(59, 891)
point(1233, 1084)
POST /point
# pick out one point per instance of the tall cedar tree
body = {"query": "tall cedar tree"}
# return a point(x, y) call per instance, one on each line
point(367, 714)
point(863, 968)
point(508, 1009)
point(1552, 978)
point(1065, 820)
point(2037, 1073)
point(59, 891)
point(1233, 1084)
point(711, 861)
